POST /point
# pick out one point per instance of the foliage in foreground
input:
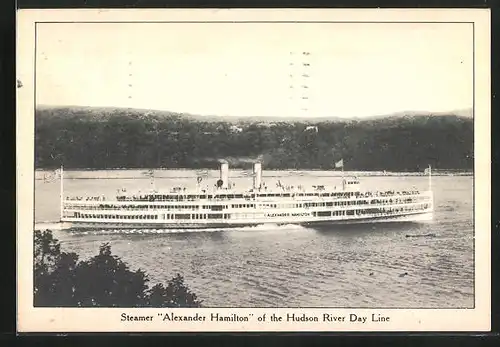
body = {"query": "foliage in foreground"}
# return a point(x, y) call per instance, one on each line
point(62, 280)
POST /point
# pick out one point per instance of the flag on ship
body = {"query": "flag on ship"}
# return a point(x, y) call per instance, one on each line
point(149, 173)
point(52, 176)
point(202, 173)
point(339, 164)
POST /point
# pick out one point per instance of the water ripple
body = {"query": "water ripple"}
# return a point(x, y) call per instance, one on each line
point(428, 265)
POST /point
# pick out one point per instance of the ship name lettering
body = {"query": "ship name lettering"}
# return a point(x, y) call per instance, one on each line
point(277, 214)
point(172, 317)
point(231, 318)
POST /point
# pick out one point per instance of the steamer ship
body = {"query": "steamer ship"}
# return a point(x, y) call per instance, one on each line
point(224, 206)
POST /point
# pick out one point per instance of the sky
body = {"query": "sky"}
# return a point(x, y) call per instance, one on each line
point(248, 69)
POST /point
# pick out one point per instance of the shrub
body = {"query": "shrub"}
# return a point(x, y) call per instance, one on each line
point(62, 280)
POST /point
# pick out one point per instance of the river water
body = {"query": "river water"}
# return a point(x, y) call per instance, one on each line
point(293, 266)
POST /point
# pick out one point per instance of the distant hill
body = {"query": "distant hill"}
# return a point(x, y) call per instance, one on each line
point(106, 137)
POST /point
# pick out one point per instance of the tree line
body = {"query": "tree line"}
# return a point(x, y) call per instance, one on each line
point(62, 280)
point(94, 138)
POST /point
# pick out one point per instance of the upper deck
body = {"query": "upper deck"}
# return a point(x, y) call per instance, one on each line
point(248, 196)
point(223, 191)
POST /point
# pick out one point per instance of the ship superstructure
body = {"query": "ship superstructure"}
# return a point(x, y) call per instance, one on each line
point(225, 206)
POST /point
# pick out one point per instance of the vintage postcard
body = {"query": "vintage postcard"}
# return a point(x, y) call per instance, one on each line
point(253, 170)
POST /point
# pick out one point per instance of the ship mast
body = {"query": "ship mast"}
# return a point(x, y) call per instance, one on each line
point(61, 179)
point(430, 178)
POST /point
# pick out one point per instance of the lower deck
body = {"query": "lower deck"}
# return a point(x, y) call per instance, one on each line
point(224, 214)
point(306, 218)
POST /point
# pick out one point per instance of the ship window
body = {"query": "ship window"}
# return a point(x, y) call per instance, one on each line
point(324, 214)
point(182, 216)
point(215, 216)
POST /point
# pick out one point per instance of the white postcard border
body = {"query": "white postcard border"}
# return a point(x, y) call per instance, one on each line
point(32, 319)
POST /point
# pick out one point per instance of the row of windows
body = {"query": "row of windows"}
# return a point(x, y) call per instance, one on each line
point(180, 197)
point(243, 205)
point(194, 197)
point(177, 216)
point(371, 211)
point(265, 205)
point(198, 216)
point(115, 216)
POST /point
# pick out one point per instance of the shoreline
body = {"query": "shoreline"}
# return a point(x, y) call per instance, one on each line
point(42, 174)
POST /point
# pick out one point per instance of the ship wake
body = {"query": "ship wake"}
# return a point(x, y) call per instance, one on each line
point(144, 231)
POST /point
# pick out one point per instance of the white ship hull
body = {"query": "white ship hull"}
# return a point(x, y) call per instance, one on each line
point(419, 217)
point(226, 207)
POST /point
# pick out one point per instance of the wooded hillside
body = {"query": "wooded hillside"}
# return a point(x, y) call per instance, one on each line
point(101, 138)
